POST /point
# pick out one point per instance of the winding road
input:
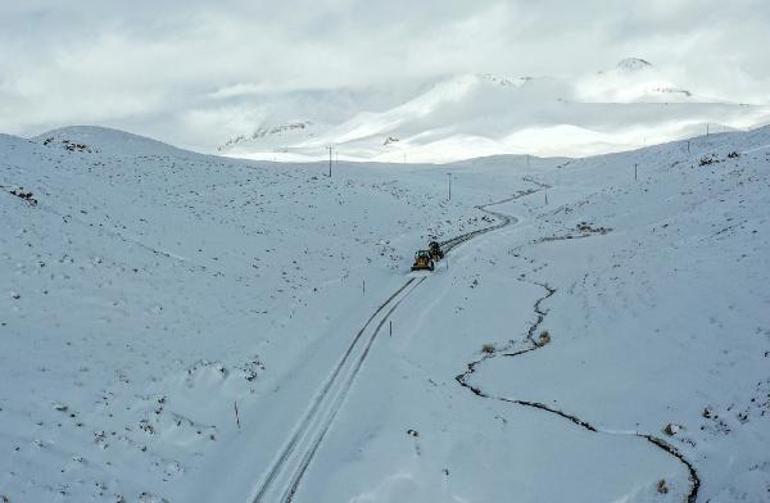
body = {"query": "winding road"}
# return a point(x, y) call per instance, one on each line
point(284, 474)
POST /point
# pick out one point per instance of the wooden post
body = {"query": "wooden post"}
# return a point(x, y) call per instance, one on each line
point(237, 417)
point(636, 175)
point(363, 287)
point(391, 327)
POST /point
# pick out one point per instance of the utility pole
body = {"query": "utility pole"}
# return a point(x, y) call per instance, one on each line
point(330, 148)
point(450, 185)
point(688, 147)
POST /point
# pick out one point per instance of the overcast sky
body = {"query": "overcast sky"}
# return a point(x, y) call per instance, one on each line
point(112, 63)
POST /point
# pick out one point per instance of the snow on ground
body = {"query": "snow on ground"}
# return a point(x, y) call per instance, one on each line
point(150, 290)
point(673, 300)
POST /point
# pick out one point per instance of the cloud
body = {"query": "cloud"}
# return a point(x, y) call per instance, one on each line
point(124, 64)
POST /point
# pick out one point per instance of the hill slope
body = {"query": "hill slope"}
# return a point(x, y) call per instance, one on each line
point(148, 291)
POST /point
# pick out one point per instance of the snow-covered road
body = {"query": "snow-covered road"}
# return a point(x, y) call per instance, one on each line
point(285, 473)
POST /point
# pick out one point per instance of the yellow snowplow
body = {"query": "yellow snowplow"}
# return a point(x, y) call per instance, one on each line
point(423, 261)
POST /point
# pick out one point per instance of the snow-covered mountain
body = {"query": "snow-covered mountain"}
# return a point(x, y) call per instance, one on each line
point(634, 80)
point(282, 133)
point(473, 115)
point(187, 327)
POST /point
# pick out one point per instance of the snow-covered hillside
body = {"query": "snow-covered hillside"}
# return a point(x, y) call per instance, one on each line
point(611, 342)
point(465, 116)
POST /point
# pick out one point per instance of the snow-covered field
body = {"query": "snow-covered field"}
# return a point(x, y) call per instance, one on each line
point(611, 343)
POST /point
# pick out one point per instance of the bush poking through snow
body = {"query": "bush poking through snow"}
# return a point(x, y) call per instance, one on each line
point(148, 497)
point(708, 160)
point(671, 429)
point(662, 487)
point(488, 349)
point(25, 195)
point(145, 426)
point(545, 338)
point(588, 228)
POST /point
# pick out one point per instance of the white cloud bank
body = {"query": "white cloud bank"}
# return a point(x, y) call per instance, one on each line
point(195, 72)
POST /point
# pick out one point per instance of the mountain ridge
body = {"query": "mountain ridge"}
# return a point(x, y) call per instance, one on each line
point(618, 109)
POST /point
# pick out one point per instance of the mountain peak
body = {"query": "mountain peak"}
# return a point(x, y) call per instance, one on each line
point(632, 65)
